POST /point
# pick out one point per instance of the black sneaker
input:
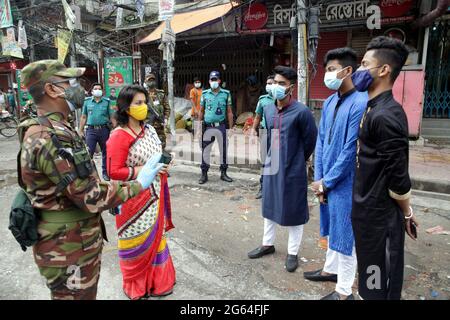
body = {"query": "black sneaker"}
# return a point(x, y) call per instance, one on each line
point(105, 177)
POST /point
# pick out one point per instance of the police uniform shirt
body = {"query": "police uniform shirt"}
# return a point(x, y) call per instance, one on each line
point(263, 101)
point(215, 105)
point(98, 113)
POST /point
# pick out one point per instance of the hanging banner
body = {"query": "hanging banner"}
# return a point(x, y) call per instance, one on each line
point(5, 14)
point(140, 9)
point(63, 41)
point(24, 96)
point(166, 8)
point(22, 40)
point(9, 44)
point(118, 73)
point(71, 18)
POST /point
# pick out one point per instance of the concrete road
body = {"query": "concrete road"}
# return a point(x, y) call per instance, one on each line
point(215, 226)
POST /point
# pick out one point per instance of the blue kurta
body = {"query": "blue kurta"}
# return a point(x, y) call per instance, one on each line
point(335, 163)
point(285, 182)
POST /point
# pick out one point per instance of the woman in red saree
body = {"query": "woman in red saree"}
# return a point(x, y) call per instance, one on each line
point(145, 260)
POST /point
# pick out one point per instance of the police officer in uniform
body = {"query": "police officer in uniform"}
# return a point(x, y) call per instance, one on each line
point(97, 114)
point(215, 108)
point(260, 122)
point(159, 109)
point(59, 177)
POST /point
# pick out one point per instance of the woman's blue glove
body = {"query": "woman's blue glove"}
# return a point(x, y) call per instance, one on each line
point(149, 171)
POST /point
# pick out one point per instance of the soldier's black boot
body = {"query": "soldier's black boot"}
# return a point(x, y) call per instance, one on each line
point(203, 178)
point(224, 177)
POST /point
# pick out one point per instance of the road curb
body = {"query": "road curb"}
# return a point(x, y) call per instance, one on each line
point(430, 185)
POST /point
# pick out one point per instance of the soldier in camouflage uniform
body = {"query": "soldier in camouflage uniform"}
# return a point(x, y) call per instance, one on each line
point(68, 200)
point(159, 104)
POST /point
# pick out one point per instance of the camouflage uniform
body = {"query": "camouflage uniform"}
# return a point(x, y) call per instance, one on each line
point(159, 103)
point(70, 242)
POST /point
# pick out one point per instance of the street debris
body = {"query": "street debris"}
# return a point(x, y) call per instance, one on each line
point(437, 230)
point(434, 294)
point(411, 267)
point(244, 217)
point(323, 243)
point(303, 259)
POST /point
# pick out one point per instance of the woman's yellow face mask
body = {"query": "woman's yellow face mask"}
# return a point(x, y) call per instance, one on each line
point(138, 112)
point(138, 107)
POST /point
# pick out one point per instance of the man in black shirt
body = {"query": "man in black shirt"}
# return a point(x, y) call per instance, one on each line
point(381, 208)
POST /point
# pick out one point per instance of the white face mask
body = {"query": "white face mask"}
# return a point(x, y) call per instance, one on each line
point(97, 93)
point(214, 84)
point(197, 85)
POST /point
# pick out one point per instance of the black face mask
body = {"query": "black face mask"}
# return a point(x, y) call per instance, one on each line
point(151, 84)
point(74, 96)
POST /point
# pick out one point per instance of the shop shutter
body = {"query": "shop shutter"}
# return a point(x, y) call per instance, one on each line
point(327, 41)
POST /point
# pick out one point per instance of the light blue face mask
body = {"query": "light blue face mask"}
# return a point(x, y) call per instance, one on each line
point(279, 92)
point(332, 81)
point(214, 85)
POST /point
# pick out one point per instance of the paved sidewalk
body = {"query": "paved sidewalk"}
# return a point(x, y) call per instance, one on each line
point(429, 167)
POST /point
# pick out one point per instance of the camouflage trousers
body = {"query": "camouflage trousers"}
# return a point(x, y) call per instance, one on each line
point(69, 257)
point(160, 130)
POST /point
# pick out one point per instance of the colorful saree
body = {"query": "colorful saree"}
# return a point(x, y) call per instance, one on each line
point(145, 260)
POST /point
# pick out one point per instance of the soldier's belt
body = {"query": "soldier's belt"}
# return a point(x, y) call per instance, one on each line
point(65, 216)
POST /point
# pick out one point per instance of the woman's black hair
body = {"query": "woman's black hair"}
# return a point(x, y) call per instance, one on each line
point(126, 96)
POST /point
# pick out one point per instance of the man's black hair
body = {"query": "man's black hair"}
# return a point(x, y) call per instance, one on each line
point(286, 72)
point(270, 77)
point(124, 100)
point(346, 56)
point(389, 51)
point(196, 79)
point(96, 84)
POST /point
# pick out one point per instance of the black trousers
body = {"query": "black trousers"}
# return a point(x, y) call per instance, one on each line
point(379, 242)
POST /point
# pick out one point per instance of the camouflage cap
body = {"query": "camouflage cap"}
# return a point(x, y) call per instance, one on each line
point(151, 76)
point(44, 69)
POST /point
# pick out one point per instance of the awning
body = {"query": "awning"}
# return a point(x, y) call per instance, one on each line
point(182, 22)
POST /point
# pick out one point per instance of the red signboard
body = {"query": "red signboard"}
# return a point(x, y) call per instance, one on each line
point(395, 8)
point(256, 16)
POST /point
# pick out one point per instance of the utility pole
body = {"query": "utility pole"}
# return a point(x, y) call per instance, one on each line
point(73, 64)
point(170, 46)
point(302, 61)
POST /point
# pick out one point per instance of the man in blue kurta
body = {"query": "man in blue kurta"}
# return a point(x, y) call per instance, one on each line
point(335, 169)
point(291, 136)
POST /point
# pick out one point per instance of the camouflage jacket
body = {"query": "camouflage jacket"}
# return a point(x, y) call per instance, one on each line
point(42, 169)
point(159, 102)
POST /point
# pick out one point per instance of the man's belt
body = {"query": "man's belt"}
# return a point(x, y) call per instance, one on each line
point(65, 216)
point(97, 127)
point(214, 124)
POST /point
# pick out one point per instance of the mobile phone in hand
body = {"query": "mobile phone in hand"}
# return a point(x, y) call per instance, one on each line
point(413, 229)
point(166, 158)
